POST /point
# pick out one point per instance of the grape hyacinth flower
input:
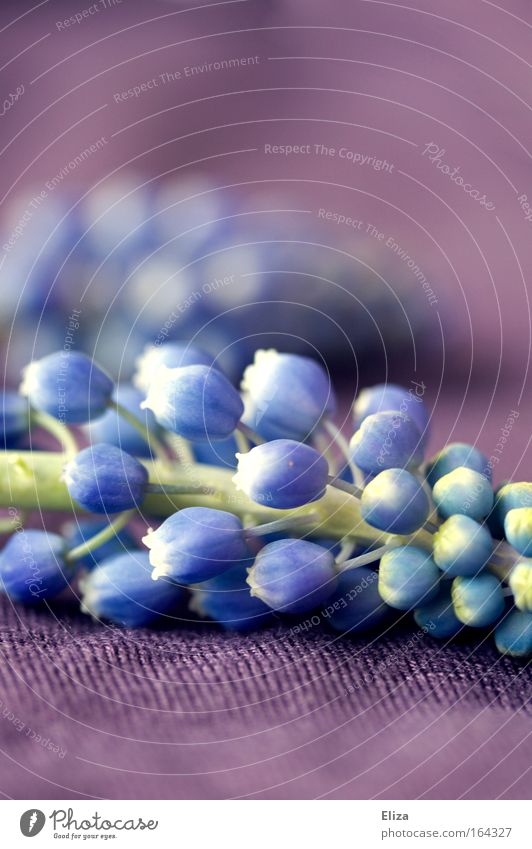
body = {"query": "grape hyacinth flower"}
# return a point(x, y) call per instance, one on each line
point(478, 601)
point(112, 429)
point(390, 397)
point(461, 546)
point(438, 616)
point(356, 605)
point(282, 474)
point(513, 635)
point(14, 418)
point(293, 575)
point(408, 577)
point(196, 544)
point(386, 440)
point(395, 501)
point(287, 395)
point(67, 385)
point(463, 491)
point(518, 529)
point(454, 456)
point(121, 590)
point(226, 599)
point(195, 402)
point(33, 566)
point(105, 479)
point(509, 496)
point(520, 583)
point(172, 355)
point(78, 532)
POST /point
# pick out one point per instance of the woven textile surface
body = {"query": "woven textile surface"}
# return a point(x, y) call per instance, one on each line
point(89, 711)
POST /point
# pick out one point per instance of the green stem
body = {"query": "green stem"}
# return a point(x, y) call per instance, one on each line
point(31, 480)
point(249, 433)
point(350, 488)
point(287, 523)
point(337, 435)
point(368, 557)
point(242, 442)
point(173, 489)
point(57, 429)
point(101, 537)
point(152, 440)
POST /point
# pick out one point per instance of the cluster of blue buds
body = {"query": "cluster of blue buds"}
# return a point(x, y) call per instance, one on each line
point(267, 512)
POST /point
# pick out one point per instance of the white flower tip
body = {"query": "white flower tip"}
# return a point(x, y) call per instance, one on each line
point(147, 538)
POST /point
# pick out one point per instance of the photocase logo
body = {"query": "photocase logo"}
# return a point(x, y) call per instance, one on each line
point(32, 822)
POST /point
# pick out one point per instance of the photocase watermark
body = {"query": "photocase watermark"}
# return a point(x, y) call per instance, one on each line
point(13, 97)
point(369, 229)
point(414, 396)
point(494, 458)
point(65, 824)
point(193, 298)
point(435, 154)
point(355, 157)
point(87, 12)
point(74, 163)
point(35, 581)
point(40, 197)
point(72, 327)
point(45, 742)
point(169, 77)
point(338, 604)
point(526, 208)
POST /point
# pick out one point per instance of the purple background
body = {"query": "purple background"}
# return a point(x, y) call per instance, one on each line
point(195, 713)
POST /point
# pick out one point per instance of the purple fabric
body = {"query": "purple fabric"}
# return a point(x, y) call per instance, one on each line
point(195, 713)
point(88, 711)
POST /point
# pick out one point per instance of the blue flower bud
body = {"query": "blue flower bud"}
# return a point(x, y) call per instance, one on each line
point(115, 430)
point(463, 491)
point(408, 577)
point(286, 395)
point(172, 355)
point(105, 479)
point(282, 474)
point(121, 590)
point(227, 600)
point(455, 455)
point(79, 532)
point(68, 386)
point(32, 566)
point(520, 582)
point(508, 497)
point(386, 440)
point(395, 501)
point(293, 575)
point(438, 616)
point(518, 529)
point(196, 402)
point(390, 397)
point(196, 544)
point(356, 605)
point(478, 601)
point(461, 546)
point(14, 418)
point(513, 635)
